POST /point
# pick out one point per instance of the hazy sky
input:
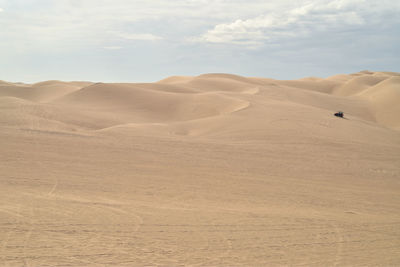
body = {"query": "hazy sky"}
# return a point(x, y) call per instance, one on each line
point(147, 40)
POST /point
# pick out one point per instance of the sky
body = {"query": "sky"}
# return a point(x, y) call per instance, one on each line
point(148, 40)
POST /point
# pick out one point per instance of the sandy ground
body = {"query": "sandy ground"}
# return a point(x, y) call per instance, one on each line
point(214, 170)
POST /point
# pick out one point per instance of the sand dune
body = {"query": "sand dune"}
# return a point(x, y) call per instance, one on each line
point(40, 92)
point(212, 170)
point(176, 79)
point(385, 99)
point(381, 89)
point(138, 103)
point(359, 84)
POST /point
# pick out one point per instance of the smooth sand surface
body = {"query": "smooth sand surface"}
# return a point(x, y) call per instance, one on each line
point(214, 170)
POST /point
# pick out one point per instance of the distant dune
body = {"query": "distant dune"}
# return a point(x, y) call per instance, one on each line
point(213, 170)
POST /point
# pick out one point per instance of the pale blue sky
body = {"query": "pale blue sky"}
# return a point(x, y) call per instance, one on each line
point(147, 40)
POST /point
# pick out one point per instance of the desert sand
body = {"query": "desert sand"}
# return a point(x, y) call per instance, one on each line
point(213, 170)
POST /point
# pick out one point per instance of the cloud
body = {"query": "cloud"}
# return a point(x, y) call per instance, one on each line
point(1, 10)
point(302, 21)
point(66, 24)
point(139, 36)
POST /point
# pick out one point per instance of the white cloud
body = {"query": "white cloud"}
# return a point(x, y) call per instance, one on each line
point(313, 16)
point(1, 10)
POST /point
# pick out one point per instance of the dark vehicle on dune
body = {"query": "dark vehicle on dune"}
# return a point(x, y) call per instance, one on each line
point(339, 114)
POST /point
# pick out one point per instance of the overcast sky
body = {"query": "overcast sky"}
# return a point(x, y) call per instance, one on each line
point(147, 40)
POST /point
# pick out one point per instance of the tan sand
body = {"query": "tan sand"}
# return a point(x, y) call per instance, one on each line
point(214, 170)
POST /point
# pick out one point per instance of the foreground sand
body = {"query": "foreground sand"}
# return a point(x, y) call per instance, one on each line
point(214, 170)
